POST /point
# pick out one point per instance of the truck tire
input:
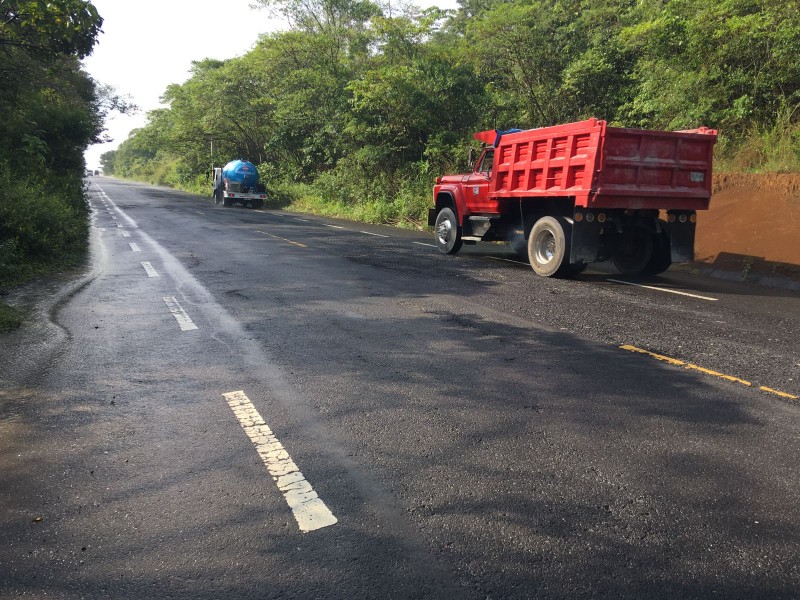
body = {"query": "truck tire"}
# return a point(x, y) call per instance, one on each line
point(633, 250)
point(447, 232)
point(661, 259)
point(226, 202)
point(257, 204)
point(217, 195)
point(549, 247)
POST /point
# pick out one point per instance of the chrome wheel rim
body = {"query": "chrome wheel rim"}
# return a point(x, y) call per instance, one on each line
point(443, 231)
point(545, 247)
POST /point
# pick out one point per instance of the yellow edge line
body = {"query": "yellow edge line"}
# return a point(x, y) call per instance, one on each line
point(685, 365)
point(282, 239)
point(764, 388)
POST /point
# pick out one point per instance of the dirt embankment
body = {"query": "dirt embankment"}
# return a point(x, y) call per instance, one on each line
point(752, 225)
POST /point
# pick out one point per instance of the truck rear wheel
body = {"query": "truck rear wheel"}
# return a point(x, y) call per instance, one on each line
point(217, 195)
point(447, 232)
point(661, 258)
point(549, 247)
point(633, 250)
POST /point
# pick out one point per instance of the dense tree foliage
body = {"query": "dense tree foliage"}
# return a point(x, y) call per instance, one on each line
point(364, 104)
point(51, 111)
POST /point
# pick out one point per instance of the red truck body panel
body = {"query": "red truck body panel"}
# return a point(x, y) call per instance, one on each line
point(601, 166)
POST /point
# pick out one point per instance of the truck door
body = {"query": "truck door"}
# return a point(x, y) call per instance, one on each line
point(476, 185)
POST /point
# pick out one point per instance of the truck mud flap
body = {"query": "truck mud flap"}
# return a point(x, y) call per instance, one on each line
point(432, 212)
point(681, 240)
point(585, 241)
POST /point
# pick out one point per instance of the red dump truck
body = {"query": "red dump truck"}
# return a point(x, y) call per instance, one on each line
point(584, 192)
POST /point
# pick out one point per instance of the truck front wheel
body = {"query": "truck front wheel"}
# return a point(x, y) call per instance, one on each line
point(447, 232)
point(549, 247)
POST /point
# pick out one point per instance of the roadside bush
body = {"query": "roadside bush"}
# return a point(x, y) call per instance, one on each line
point(43, 225)
point(9, 318)
point(771, 149)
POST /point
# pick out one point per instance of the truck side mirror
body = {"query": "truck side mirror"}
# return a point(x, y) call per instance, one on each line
point(471, 158)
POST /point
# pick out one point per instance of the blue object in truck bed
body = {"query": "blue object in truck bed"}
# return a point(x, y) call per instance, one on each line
point(242, 172)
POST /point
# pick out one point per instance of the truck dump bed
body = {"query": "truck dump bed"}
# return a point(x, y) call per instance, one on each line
point(604, 167)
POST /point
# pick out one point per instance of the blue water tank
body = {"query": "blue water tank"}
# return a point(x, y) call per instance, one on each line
point(242, 172)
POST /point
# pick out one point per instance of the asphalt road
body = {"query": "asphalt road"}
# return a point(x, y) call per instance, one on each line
point(233, 403)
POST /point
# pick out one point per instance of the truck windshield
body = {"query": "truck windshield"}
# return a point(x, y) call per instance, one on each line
point(486, 162)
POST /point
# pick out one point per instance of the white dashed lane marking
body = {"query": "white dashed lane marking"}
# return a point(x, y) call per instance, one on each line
point(135, 247)
point(125, 233)
point(309, 510)
point(422, 244)
point(375, 234)
point(185, 323)
point(148, 268)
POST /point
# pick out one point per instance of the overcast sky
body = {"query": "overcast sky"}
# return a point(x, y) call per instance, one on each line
point(147, 45)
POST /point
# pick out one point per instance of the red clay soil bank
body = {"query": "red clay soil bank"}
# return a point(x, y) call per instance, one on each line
point(752, 225)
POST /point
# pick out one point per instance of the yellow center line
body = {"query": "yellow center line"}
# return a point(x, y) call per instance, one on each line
point(685, 365)
point(672, 361)
point(720, 375)
point(277, 237)
point(764, 388)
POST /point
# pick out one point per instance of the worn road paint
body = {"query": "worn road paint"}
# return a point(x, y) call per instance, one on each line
point(516, 262)
point(120, 225)
point(185, 323)
point(421, 244)
point(333, 226)
point(672, 361)
point(680, 363)
point(148, 268)
point(375, 234)
point(282, 239)
point(720, 375)
point(303, 220)
point(660, 289)
point(135, 247)
point(309, 510)
point(125, 233)
point(764, 388)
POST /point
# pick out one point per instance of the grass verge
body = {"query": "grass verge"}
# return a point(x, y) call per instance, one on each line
point(9, 317)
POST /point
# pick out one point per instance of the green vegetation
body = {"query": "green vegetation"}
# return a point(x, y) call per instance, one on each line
point(358, 106)
point(9, 318)
point(51, 110)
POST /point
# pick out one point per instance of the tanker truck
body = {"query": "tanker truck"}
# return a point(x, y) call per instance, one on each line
point(574, 194)
point(237, 183)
